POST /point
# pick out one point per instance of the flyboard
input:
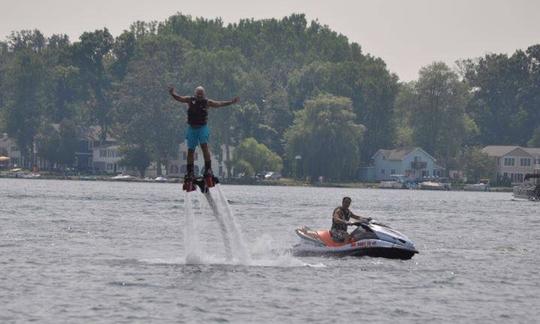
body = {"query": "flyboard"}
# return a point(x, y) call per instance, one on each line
point(209, 187)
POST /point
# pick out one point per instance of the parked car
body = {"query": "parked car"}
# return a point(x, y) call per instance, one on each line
point(272, 176)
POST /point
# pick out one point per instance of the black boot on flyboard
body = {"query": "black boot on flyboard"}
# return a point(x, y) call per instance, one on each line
point(209, 179)
point(189, 182)
point(204, 183)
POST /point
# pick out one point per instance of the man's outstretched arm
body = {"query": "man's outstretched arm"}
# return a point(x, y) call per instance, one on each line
point(177, 97)
point(217, 104)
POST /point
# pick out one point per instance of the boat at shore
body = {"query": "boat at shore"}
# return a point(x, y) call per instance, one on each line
point(434, 185)
point(123, 177)
point(476, 187)
point(529, 189)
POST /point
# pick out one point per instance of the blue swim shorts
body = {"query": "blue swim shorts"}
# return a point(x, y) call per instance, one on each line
point(196, 136)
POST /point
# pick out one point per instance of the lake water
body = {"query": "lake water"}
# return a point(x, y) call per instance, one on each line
point(106, 252)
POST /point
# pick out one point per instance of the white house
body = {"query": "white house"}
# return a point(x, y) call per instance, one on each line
point(412, 162)
point(514, 162)
point(106, 158)
point(178, 166)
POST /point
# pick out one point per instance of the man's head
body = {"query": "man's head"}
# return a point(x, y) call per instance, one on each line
point(199, 92)
point(346, 202)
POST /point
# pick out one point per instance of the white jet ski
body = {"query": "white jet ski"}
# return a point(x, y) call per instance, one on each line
point(368, 239)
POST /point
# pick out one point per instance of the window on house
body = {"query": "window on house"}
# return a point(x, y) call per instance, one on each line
point(519, 177)
point(392, 171)
point(109, 166)
point(509, 161)
point(382, 171)
point(525, 162)
point(102, 153)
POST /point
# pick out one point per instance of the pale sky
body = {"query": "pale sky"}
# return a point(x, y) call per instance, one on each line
point(407, 34)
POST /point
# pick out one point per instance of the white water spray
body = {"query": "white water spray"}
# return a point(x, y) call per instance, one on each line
point(190, 238)
point(240, 251)
point(222, 226)
point(233, 241)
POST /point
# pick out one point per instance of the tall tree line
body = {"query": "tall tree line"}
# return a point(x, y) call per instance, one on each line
point(301, 85)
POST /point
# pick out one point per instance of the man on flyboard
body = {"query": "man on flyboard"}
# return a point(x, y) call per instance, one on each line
point(199, 133)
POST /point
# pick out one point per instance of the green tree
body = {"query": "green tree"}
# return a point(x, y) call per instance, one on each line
point(535, 139)
point(24, 101)
point(326, 137)
point(439, 120)
point(58, 144)
point(143, 109)
point(89, 56)
point(506, 95)
point(368, 83)
point(136, 157)
point(478, 165)
point(252, 156)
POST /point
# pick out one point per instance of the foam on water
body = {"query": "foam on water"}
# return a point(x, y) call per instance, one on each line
point(263, 252)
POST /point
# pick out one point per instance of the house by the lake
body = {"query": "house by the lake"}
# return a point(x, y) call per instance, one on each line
point(412, 162)
point(514, 162)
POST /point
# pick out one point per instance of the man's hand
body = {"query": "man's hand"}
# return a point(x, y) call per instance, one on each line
point(171, 89)
point(235, 100)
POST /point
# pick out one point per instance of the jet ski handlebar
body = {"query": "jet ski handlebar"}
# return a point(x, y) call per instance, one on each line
point(358, 223)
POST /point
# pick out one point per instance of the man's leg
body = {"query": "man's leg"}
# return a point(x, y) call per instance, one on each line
point(207, 157)
point(190, 162)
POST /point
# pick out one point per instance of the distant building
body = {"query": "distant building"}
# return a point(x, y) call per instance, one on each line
point(90, 138)
point(514, 162)
point(412, 162)
point(178, 166)
point(106, 159)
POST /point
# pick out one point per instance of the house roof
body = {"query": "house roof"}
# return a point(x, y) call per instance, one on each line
point(398, 154)
point(498, 150)
point(502, 150)
point(532, 150)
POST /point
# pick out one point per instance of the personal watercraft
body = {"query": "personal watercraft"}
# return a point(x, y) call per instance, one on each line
point(529, 189)
point(368, 239)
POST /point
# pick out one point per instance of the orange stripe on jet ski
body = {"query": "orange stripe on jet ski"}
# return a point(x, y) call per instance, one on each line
point(326, 238)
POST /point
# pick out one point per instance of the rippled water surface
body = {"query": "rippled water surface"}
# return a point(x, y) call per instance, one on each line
point(84, 252)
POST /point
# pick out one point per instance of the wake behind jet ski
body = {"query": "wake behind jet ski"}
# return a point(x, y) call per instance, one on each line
point(368, 239)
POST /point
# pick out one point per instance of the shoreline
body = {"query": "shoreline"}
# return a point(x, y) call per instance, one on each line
point(284, 182)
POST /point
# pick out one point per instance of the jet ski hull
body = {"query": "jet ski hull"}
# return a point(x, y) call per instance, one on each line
point(374, 252)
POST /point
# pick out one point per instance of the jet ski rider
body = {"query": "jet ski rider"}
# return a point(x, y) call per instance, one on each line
point(198, 131)
point(340, 221)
